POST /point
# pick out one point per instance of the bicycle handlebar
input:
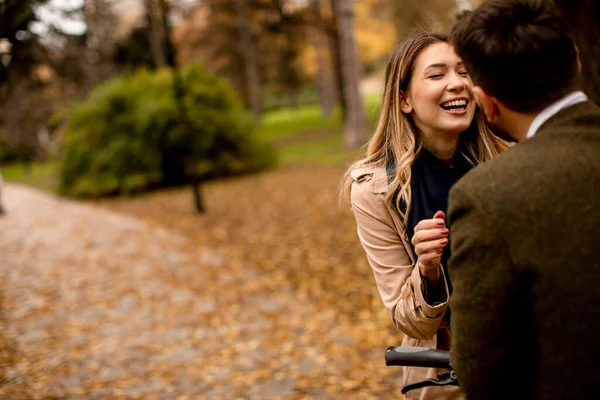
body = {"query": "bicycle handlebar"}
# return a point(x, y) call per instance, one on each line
point(417, 357)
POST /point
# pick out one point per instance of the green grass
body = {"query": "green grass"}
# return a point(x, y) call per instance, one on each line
point(41, 175)
point(290, 122)
point(315, 140)
point(314, 151)
point(325, 150)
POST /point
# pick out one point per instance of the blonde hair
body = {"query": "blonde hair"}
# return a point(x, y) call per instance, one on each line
point(396, 137)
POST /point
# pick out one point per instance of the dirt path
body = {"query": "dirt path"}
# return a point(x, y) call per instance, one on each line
point(101, 305)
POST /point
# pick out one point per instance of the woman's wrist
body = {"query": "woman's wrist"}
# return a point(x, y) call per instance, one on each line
point(431, 274)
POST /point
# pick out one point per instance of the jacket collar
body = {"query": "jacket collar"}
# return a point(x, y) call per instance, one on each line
point(573, 98)
point(566, 115)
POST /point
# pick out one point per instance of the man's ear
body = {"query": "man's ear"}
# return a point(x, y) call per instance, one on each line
point(487, 103)
point(405, 104)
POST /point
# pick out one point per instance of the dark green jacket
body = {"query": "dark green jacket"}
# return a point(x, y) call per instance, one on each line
point(525, 266)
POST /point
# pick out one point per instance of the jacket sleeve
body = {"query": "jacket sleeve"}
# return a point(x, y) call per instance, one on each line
point(398, 281)
point(483, 302)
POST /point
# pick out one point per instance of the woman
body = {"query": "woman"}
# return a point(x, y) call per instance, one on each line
point(429, 134)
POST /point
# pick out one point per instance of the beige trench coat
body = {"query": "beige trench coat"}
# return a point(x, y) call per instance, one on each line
point(398, 280)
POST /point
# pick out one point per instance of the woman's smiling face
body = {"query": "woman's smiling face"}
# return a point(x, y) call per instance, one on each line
point(438, 97)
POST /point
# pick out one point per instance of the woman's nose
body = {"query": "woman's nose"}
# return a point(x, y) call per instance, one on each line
point(457, 83)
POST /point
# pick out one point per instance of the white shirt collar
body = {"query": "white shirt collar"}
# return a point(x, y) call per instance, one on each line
point(548, 112)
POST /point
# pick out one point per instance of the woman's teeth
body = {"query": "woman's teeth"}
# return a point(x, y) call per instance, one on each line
point(454, 104)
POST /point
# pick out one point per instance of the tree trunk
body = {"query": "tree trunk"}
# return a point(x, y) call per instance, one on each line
point(336, 60)
point(5, 49)
point(583, 16)
point(248, 51)
point(338, 75)
point(167, 42)
point(407, 16)
point(156, 32)
point(198, 201)
point(355, 120)
point(190, 172)
point(325, 83)
point(99, 41)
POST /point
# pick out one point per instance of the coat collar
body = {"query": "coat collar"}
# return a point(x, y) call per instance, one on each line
point(554, 108)
point(566, 115)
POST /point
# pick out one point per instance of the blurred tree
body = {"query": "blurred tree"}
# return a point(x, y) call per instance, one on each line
point(20, 83)
point(326, 83)
point(47, 62)
point(255, 43)
point(157, 35)
point(331, 27)
point(422, 14)
point(583, 17)
point(287, 24)
point(375, 33)
point(150, 44)
point(155, 31)
point(250, 58)
point(355, 120)
point(210, 33)
point(131, 51)
point(292, 42)
point(18, 44)
point(99, 43)
point(161, 46)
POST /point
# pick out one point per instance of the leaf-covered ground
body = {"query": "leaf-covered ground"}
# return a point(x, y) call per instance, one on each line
point(267, 295)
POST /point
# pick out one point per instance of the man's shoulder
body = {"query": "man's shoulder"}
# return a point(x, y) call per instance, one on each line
point(499, 186)
point(491, 176)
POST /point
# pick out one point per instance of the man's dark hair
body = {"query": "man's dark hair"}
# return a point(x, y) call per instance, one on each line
point(520, 51)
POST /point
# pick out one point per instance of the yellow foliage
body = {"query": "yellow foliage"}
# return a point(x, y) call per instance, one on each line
point(308, 61)
point(376, 37)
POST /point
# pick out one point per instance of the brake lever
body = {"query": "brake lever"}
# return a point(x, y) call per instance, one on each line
point(447, 379)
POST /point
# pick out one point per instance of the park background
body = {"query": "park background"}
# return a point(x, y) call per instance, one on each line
point(172, 226)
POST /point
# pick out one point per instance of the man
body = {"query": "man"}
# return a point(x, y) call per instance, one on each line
point(525, 227)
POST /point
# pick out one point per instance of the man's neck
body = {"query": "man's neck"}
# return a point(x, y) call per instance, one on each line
point(517, 123)
point(520, 125)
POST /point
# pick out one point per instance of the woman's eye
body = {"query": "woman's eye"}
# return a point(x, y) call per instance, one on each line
point(438, 75)
point(464, 73)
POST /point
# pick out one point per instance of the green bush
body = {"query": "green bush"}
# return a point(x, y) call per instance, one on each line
point(7, 153)
point(130, 135)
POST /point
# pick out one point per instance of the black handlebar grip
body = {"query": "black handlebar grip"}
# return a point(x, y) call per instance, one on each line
point(417, 357)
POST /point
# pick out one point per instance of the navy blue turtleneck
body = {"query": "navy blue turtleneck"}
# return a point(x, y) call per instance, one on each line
point(431, 183)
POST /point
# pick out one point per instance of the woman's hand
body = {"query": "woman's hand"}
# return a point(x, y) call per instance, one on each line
point(429, 239)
